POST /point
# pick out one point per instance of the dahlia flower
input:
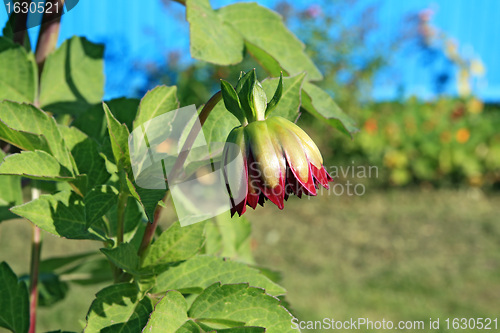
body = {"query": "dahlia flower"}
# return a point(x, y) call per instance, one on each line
point(278, 158)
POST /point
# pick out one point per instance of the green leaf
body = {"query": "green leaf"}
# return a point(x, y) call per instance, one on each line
point(229, 237)
point(123, 256)
point(189, 327)
point(18, 73)
point(61, 214)
point(264, 29)
point(10, 195)
point(59, 264)
point(241, 303)
point(134, 218)
point(51, 289)
point(98, 202)
point(276, 97)
point(175, 244)
point(218, 124)
point(242, 330)
point(212, 39)
point(215, 327)
point(148, 198)
point(35, 165)
point(90, 271)
point(270, 64)
point(169, 315)
point(118, 308)
point(321, 105)
point(118, 134)
point(156, 102)
point(93, 123)
point(14, 301)
point(30, 128)
point(220, 36)
point(125, 110)
point(9, 33)
point(72, 78)
point(199, 272)
point(289, 104)
point(91, 166)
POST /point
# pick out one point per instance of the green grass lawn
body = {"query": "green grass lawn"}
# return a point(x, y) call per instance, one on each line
point(401, 255)
point(397, 255)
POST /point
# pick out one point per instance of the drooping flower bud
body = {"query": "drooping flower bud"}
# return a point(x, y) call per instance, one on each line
point(279, 158)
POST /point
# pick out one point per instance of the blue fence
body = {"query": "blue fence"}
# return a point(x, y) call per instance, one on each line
point(146, 30)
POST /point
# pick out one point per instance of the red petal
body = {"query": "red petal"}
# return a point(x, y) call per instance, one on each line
point(252, 200)
point(240, 206)
point(276, 195)
point(307, 185)
point(320, 175)
point(254, 181)
point(293, 185)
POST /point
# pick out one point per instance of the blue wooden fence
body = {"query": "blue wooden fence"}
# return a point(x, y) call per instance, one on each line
point(145, 30)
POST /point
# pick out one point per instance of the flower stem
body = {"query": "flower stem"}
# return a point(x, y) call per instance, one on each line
point(17, 22)
point(47, 39)
point(122, 205)
point(36, 247)
point(49, 32)
point(151, 227)
point(120, 223)
point(193, 134)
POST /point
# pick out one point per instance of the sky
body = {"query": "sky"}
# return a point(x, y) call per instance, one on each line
point(145, 31)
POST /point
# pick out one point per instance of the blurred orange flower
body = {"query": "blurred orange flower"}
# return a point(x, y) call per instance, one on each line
point(371, 126)
point(462, 135)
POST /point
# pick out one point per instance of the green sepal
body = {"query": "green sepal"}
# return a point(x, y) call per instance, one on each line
point(231, 101)
point(245, 91)
point(259, 101)
point(242, 80)
point(276, 98)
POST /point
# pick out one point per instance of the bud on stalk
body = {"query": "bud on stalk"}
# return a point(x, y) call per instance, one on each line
point(279, 158)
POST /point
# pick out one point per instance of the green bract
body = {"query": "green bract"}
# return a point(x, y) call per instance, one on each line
point(248, 102)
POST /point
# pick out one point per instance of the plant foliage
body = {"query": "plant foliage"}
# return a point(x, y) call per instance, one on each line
point(59, 134)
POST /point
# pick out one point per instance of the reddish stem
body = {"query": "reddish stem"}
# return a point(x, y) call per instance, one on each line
point(18, 24)
point(36, 247)
point(193, 134)
point(47, 39)
point(49, 32)
point(151, 227)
